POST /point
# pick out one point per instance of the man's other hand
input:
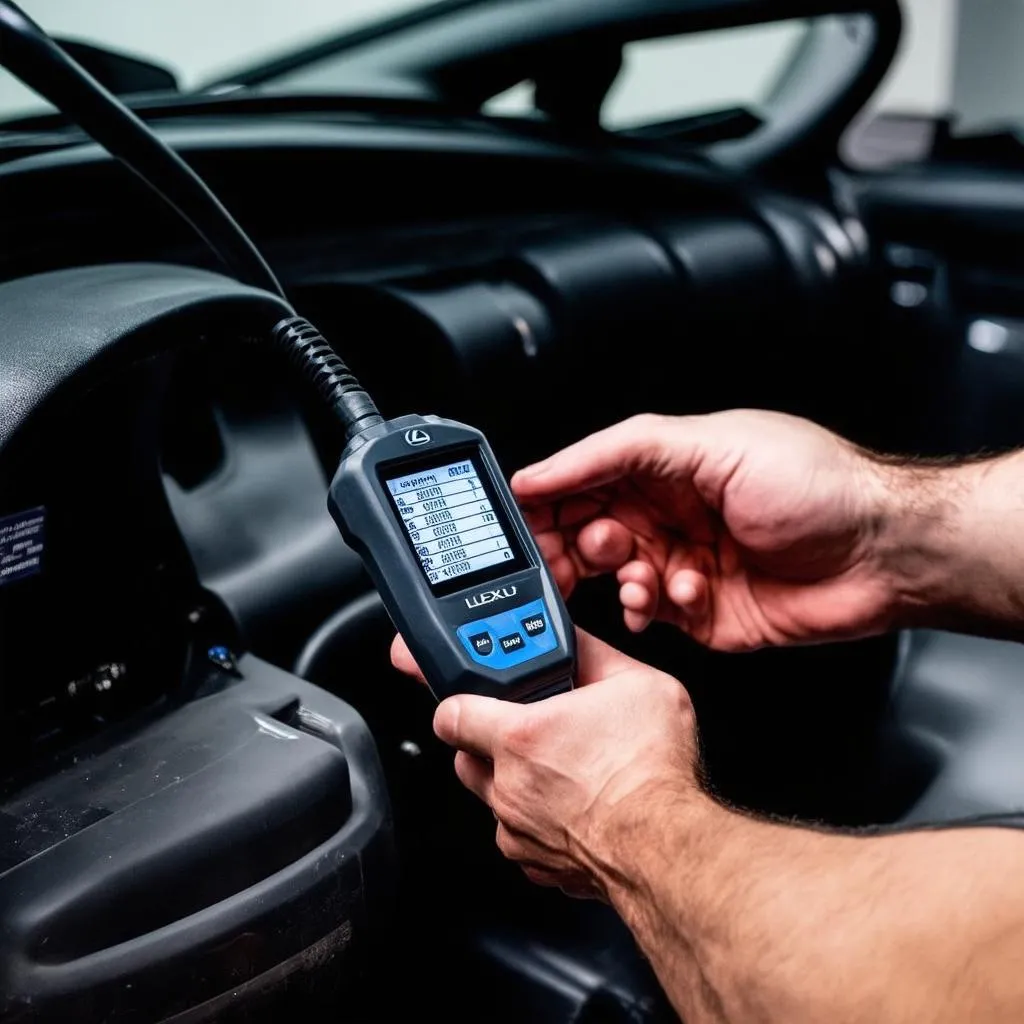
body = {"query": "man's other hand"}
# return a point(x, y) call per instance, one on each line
point(745, 529)
point(567, 776)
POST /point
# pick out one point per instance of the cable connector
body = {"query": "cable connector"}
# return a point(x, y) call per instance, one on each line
point(308, 351)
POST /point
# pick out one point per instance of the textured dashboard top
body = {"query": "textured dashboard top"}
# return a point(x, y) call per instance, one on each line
point(58, 325)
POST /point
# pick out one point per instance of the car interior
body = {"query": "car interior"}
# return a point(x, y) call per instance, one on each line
point(218, 800)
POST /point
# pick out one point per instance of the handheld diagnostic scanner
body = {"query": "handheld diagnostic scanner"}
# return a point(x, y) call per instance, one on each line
point(423, 502)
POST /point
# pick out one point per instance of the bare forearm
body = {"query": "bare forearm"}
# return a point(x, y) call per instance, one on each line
point(749, 921)
point(952, 542)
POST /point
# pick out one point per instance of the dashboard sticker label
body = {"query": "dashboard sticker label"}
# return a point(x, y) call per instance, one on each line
point(22, 540)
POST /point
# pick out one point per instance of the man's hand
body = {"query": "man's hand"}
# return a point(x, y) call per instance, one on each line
point(745, 529)
point(560, 774)
point(595, 791)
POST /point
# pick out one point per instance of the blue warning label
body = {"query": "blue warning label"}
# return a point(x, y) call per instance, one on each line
point(22, 540)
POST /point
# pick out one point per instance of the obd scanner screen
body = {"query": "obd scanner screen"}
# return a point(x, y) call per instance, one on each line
point(455, 524)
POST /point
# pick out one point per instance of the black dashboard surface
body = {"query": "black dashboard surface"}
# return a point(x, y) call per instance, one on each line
point(79, 443)
point(56, 328)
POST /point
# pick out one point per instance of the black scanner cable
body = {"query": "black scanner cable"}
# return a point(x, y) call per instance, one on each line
point(39, 62)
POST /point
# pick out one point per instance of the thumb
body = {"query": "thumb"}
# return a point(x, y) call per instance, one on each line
point(473, 724)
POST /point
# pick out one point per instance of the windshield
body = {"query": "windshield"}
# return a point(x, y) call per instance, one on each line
point(198, 40)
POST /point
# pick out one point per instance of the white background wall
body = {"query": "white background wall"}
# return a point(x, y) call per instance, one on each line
point(990, 64)
point(921, 80)
point(238, 31)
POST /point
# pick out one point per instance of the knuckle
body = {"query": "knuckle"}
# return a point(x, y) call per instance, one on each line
point(643, 425)
point(500, 803)
point(646, 419)
point(507, 795)
point(511, 819)
point(505, 842)
point(676, 696)
point(650, 436)
point(667, 693)
point(539, 877)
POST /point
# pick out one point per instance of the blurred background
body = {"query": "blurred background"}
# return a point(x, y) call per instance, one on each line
point(958, 57)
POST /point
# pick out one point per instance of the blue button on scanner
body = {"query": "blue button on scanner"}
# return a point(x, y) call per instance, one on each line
point(511, 643)
point(481, 644)
point(534, 625)
point(509, 638)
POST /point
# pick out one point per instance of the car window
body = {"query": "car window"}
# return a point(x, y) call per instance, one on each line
point(668, 78)
point(196, 39)
point(958, 78)
point(676, 76)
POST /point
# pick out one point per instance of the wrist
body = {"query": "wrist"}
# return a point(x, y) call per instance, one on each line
point(708, 892)
point(634, 849)
point(932, 533)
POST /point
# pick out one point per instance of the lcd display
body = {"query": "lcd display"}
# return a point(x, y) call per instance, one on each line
point(452, 521)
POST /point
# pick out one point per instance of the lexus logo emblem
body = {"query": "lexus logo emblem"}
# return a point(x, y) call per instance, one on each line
point(417, 437)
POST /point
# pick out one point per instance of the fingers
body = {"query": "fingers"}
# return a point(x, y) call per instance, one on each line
point(475, 724)
point(597, 460)
point(476, 775)
point(542, 877)
point(542, 867)
point(571, 884)
point(564, 575)
point(640, 593)
point(402, 659)
point(478, 724)
point(523, 850)
point(563, 571)
point(690, 592)
point(605, 545)
point(579, 890)
point(600, 547)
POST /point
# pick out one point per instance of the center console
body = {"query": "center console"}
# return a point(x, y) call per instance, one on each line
point(215, 857)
